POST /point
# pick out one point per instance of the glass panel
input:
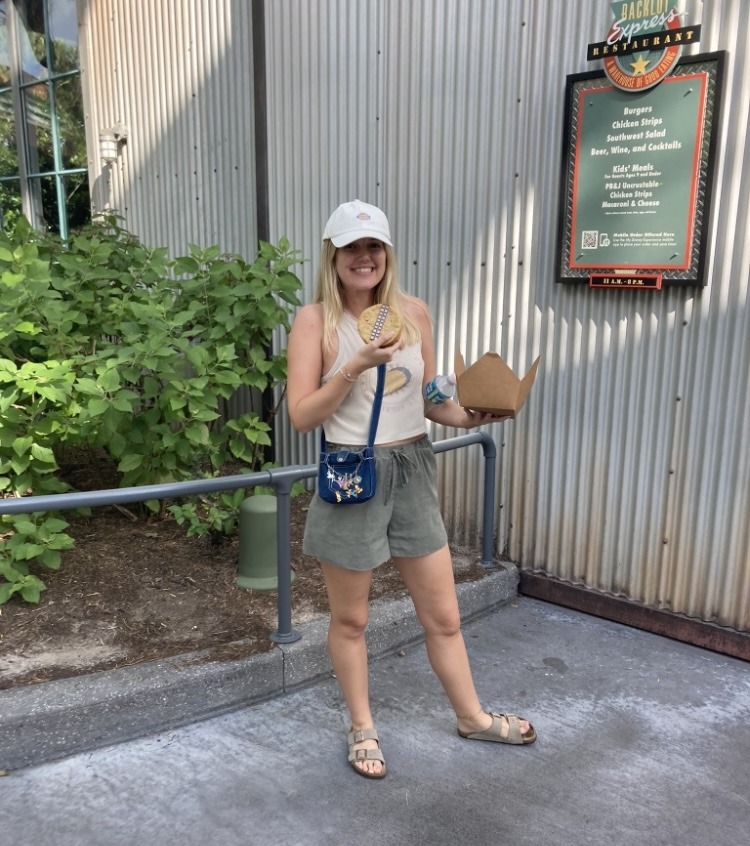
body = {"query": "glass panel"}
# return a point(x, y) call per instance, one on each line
point(47, 212)
point(72, 133)
point(77, 200)
point(63, 32)
point(36, 111)
point(31, 44)
point(63, 37)
point(45, 208)
point(4, 60)
point(8, 148)
point(10, 203)
point(51, 136)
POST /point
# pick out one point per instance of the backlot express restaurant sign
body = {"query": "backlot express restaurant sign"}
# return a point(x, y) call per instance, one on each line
point(638, 157)
point(644, 44)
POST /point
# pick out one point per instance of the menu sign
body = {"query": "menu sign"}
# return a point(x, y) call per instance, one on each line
point(637, 174)
point(640, 162)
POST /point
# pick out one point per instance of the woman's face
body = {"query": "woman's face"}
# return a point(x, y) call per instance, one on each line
point(361, 265)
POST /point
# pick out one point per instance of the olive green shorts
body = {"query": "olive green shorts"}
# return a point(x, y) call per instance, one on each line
point(402, 520)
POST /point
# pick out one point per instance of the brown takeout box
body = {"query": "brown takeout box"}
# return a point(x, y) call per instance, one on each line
point(490, 385)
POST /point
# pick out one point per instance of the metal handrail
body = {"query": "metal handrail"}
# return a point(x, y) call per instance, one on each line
point(281, 480)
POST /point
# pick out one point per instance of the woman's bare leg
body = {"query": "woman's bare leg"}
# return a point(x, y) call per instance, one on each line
point(348, 598)
point(429, 579)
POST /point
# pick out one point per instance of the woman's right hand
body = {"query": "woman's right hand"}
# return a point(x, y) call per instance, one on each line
point(373, 354)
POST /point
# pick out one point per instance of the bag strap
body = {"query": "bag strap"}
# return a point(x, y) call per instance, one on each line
point(374, 417)
point(377, 402)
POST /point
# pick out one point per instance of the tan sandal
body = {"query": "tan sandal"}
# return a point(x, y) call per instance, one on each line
point(495, 731)
point(359, 756)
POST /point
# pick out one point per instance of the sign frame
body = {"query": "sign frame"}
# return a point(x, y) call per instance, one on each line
point(572, 261)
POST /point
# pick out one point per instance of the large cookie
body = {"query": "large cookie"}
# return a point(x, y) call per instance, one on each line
point(376, 320)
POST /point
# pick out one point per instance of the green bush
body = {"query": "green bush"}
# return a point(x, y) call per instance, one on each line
point(113, 345)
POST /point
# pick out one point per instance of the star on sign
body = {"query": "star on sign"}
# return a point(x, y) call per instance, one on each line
point(640, 65)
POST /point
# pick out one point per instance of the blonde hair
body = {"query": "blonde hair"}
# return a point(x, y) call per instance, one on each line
point(328, 293)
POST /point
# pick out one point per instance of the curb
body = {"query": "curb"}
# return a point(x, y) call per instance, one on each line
point(51, 720)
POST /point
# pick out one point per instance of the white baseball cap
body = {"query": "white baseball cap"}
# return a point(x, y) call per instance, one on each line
point(354, 220)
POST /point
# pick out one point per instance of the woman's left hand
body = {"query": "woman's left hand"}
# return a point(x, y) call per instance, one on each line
point(482, 418)
point(451, 413)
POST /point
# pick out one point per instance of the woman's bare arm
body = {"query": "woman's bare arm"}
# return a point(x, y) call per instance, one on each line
point(310, 403)
point(448, 413)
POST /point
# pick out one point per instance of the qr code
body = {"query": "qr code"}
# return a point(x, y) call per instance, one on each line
point(589, 239)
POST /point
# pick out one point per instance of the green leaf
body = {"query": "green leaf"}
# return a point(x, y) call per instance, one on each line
point(25, 327)
point(19, 466)
point(43, 454)
point(52, 393)
point(117, 444)
point(88, 386)
point(130, 462)
point(97, 406)
point(55, 524)
point(198, 357)
point(228, 378)
point(7, 590)
point(151, 388)
point(60, 541)
point(12, 574)
point(51, 558)
point(122, 403)
point(206, 415)
point(26, 551)
point(109, 380)
point(24, 525)
point(32, 589)
point(22, 445)
point(240, 450)
point(225, 352)
point(186, 265)
point(197, 434)
point(169, 460)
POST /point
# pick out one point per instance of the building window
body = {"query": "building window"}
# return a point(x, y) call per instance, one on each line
point(43, 173)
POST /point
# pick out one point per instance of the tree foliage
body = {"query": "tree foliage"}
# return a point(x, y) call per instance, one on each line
point(110, 344)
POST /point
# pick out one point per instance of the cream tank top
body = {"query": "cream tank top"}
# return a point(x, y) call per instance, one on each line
point(402, 411)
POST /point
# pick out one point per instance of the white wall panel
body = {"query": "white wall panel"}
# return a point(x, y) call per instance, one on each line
point(628, 471)
point(179, 75)
point(324, 68)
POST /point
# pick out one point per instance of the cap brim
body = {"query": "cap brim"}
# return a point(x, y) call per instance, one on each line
point(355, 235)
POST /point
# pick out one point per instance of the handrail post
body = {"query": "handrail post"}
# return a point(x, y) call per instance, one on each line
point(284, 633)
point(488, 505)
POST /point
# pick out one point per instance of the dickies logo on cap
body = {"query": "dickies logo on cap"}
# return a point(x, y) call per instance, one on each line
point(354, 220)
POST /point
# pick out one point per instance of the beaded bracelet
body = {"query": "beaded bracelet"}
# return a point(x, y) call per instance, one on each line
point(348, 376)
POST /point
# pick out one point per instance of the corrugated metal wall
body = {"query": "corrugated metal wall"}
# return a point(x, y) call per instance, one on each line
point(628, 471)
point(179, 75)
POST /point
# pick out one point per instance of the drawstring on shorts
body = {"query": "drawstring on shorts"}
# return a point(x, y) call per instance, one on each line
point(400, 468)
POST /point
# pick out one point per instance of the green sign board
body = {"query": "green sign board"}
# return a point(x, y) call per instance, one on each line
point(636, 174)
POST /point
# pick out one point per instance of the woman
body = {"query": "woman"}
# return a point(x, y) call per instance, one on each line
point(331, 383)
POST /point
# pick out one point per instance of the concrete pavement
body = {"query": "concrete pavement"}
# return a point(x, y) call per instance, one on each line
point(642, 741)
point(42, 722)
